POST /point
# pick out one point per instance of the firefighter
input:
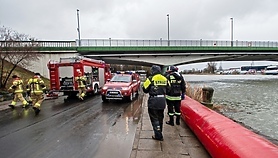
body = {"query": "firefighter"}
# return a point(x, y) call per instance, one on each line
point(175, 94)
point(81, 82)
point(156, 85)
point(36, 88)
point(17, 89)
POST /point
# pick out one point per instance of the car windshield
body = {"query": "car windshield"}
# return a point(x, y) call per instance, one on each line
point(120, 78)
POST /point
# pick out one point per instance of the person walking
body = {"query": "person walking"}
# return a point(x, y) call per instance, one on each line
point(17, 90)
point(81, 82)
point(156, 85)
point(175, 94)
point(36, 88)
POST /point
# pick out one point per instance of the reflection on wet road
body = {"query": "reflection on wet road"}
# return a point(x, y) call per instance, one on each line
point(76, 129)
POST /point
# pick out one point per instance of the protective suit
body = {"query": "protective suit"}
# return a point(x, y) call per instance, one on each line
point(174, 95)
point(36, 88)
point(17, 90)
point(81, 81)
point(156, 85)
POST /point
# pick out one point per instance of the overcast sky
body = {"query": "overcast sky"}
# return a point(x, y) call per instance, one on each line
point(253, 20)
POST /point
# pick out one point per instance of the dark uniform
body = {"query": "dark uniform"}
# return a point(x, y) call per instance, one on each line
point(175, 94)
point(156, 85)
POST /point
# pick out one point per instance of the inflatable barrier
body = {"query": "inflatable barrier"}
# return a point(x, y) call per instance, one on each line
point(222, 137)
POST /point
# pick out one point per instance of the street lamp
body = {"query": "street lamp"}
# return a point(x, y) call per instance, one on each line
point(232, 32)
point(168, 16)
point(78, 28)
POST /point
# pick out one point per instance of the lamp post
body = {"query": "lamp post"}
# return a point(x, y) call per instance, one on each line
point(78, 28)
point(168, 16)
point(232, 32)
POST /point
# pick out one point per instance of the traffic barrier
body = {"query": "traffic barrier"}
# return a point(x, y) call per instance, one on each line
point(223, 137)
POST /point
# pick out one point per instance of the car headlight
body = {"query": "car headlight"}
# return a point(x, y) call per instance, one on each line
point(104, 88)
point(125, 88)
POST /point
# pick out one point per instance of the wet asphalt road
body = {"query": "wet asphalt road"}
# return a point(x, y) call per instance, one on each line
point(67, 130)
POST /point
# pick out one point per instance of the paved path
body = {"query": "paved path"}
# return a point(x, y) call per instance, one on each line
point(179, 141)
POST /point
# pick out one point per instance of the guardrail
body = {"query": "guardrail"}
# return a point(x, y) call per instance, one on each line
point(141, 43)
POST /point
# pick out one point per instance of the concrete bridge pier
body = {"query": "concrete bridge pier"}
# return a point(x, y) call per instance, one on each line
point(41, 65)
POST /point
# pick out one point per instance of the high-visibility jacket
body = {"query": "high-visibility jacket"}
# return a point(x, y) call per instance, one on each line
point(17, 85)
point(36, 85)
point(81, 81)
point(177, 86)
point(156, 87)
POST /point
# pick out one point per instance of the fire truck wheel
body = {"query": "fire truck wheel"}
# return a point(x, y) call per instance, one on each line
point(66, 100)
point(96, 89)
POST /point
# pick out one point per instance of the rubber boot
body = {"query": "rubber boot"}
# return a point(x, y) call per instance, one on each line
point(171, 121)
point(178, 117)
point(12, 106)
point(37, 110)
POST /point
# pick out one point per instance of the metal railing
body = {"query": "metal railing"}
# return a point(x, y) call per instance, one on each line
point(194, 43)
point(140, 43)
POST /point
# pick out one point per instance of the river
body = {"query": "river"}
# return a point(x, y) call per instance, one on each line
point(248, 99)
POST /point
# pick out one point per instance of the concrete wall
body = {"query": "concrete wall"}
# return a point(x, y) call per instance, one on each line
point(41, 65)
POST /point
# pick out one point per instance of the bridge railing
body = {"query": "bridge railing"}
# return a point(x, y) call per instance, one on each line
point(142, 43)
point(197, 43)
point(37, 43)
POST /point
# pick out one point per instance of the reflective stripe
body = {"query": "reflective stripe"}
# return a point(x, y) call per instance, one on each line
point(171, 114)
point(173, 97)
point(158, 96)
point(176, 113)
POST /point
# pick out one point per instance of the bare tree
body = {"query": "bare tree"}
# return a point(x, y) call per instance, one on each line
point(17, 50)
point(211, 67)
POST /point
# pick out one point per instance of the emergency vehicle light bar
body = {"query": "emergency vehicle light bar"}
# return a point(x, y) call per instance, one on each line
point(124, 72)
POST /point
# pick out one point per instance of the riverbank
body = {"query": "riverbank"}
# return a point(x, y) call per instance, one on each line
point(247, 99)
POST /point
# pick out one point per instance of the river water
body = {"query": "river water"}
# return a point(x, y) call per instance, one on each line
point(251, 100)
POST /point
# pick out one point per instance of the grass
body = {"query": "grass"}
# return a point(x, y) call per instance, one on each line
point(196, 93)
point(24, 74)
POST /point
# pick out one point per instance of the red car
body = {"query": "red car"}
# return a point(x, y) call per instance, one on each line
point(122, 86)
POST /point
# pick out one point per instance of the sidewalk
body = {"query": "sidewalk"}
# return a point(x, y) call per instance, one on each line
point(179, 141)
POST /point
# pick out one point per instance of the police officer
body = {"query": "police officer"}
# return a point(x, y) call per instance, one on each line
point(36, 87)
point(81, 82)
point(156, 85)
point(17, 89)
point(175, 94)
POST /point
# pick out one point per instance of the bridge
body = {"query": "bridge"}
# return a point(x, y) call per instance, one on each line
point(160, 52)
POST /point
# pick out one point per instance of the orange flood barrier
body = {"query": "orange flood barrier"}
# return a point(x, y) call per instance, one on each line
point(222, 137)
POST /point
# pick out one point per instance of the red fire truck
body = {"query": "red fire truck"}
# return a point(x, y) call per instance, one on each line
point(62, 75)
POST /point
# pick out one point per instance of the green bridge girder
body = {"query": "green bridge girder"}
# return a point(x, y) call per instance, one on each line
point(131, 49)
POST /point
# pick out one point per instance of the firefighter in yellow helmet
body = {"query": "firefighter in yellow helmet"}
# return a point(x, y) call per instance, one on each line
point(81, 82)
point(36, 88)
point(17, 89)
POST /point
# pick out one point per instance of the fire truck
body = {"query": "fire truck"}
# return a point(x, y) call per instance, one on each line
point(62, 75)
